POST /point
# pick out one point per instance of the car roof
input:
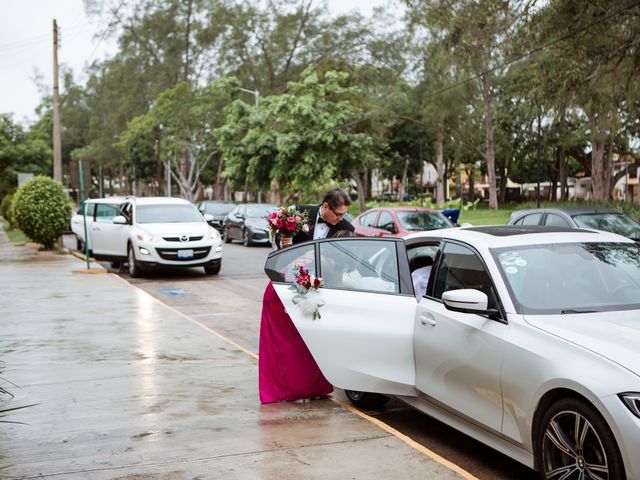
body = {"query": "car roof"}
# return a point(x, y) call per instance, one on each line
point(407, 208)
point(511, 235)
point(161, 201)
point(568, 210)
point(106, 200)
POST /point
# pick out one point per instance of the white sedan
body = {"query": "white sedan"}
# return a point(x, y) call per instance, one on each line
point(525, 339)
point(155, 232)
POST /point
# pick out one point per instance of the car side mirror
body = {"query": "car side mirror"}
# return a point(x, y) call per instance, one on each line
point(240, 216)
point(467, 300)
point(391, 228)
point(120, 220)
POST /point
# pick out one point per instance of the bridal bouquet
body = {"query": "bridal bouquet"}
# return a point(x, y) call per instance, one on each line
point(288, 221)
point(306, 286)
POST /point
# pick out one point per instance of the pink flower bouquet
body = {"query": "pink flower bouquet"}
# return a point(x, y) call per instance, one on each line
point(288, 221)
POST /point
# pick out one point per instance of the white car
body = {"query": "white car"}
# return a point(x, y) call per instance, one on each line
point(526, 339)
point(98, 210)
point(153, 232)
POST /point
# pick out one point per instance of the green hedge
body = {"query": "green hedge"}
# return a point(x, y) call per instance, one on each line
point(42, 209)
point(5, 208)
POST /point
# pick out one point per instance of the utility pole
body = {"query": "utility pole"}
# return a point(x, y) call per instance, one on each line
point(57, 147)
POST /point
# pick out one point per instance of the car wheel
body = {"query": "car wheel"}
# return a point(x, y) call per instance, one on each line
point(225, 236)
point(213, 269)
point(366, 400)
point(246, 241)
point(575, 442)
point(134, 267)
point(79, 244)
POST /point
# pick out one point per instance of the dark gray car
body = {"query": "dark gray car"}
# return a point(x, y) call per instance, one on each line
point(248, 223)
point(218, 210)
point(579, 217)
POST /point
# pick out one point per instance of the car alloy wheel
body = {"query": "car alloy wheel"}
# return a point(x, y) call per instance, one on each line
point(134, 269)
point(577, 443)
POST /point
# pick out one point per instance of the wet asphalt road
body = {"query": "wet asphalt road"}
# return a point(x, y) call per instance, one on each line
point(237, 290)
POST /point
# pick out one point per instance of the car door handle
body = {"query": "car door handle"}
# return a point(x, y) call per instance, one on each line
point(95, 228)
point(427, 320)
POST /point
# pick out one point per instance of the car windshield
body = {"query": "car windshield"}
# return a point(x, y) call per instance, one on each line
point(259, 212)
point(610, 222)
point(168, 214)
point(572, 277)
point(218, 208)
point(422, 220)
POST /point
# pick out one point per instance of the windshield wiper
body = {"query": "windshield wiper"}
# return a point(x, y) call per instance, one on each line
point(572, 311)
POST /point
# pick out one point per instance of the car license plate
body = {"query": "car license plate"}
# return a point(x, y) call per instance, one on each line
point(185, 253)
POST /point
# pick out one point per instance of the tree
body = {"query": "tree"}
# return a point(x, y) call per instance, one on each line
point(302, 138)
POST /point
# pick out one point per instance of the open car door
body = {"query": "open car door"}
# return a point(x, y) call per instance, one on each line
point(364, 338)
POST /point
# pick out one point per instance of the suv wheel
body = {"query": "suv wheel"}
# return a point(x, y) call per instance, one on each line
point(366, 400)
point(134, 267)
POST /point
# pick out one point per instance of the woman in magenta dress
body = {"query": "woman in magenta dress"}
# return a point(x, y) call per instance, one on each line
point(287, 371)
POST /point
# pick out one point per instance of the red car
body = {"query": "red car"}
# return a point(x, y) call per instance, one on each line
point(399, 221)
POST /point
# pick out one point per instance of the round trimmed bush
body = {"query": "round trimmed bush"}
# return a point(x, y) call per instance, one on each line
point(42, 210)
point(5, 208)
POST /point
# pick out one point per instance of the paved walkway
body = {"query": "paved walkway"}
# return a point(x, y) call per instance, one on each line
point(127, 388)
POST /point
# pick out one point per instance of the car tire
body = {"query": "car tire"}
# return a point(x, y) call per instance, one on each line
point(79, 244)
point(246, 241)
point(225, 236)
point(133, 266)
point(213, 269)
point(115, 265)
point(559, 446)
point(366, 400)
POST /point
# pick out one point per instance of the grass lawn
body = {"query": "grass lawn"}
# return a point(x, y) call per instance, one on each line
point(15, 235)
point(484, 216)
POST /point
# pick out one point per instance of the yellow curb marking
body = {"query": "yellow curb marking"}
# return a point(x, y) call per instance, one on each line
point(92, 271)
point(400, 436)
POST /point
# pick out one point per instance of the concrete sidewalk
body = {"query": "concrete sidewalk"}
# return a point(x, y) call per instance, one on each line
point(127, 388)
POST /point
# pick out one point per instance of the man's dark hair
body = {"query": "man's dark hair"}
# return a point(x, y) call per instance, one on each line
point(337, 197)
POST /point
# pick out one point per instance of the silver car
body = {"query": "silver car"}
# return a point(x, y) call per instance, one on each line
point(527, 339)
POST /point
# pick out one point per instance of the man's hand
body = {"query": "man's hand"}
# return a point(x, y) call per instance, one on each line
point(285, 241)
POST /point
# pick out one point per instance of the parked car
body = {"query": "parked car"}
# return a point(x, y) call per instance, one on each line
point(98, 210)
point(248, 223)
point(154, 232)
point(527, 338)
point(579, 217)
point(218, 210)
point(398, 221)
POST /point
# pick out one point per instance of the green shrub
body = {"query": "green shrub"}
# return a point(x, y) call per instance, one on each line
point(5, 208)
point(42, 210)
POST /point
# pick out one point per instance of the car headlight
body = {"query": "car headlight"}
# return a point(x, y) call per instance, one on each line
point(144, 237)
point(632, 402)
point(214, 234)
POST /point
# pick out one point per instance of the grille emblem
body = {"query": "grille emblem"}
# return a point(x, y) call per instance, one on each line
point(184, 238)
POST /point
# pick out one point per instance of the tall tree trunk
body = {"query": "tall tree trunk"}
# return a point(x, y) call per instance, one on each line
point(472, 186)
point(403, 182)
point(503, 185)
point(367, 183)
point(562, 169)
point(599, 180)
point(359, 179)
point(440, 179)
point(218, 188)
point(488, 127)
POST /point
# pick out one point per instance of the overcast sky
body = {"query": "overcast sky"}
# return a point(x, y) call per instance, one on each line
point(26, 46)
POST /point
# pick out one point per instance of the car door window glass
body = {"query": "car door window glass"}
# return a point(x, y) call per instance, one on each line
point(105, 212)
point(90, 209)
point(282, 267)
point(460, 267)
point(554, 220)
point(363, 265)
point(385, 222)
point(533, 219)
point(369, 219)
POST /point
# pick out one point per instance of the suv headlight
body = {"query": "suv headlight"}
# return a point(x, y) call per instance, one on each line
point(213, 234)
point(144, 237)
point(632, 402)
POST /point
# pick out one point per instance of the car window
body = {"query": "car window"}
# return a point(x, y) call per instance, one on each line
point(533, 219)
point(282, 267)
point(460, 267)
point(385, 221)
point(106, 212)
point(368, 219)
point(90, 209)
point(362, 265)
point(217, 208)
point(610, 222)
point(417, 221)
point(554, 220)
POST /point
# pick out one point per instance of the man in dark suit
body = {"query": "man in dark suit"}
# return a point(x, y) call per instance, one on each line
point(326, 219)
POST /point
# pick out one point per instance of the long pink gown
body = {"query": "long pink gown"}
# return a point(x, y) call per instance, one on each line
point(286, 369)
